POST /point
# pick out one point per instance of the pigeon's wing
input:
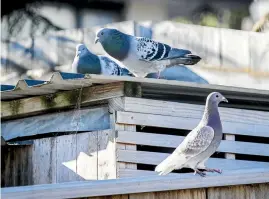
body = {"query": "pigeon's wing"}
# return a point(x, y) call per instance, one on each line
point(110, 67)
point(196, 142)
point(149, 50)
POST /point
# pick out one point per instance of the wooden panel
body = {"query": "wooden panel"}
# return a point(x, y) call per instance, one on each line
point(259, 53)
point(256, 191)
point(204, 41)
point(230, 53)
point(172, 141)
point(44, 161)
point(77, 163)
point(186, 110)
point(106, 155)
point(77, 120)
point(189, 123)
point(16, 167)
point(153, 158)
point(181, 194)
point(136, 185)
point(58, 100)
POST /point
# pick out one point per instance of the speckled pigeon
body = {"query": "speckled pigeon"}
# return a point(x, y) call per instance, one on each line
point(142, 55)
point(200, 143)
point(87, 62)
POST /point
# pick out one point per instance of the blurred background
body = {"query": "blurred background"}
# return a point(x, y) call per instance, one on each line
point(39, 37)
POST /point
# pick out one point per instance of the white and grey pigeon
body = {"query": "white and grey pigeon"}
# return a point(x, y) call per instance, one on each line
point(87, 62)
point(200, 143)
point(140, 55)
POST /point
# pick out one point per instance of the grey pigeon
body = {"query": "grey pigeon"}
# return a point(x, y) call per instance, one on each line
point(87, 62)
point(142, 55)
point(200, 143)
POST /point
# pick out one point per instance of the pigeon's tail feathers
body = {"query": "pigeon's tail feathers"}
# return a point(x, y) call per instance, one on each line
point(191, 59)
point(170, 163)
point(175, 53)
point(188, 59)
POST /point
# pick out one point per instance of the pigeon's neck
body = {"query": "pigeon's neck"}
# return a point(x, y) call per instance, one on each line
point(117, 46)
point(211, 115)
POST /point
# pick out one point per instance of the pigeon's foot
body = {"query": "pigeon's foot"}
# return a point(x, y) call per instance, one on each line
point(213, 170)
point(159, 75)
point(202, 174)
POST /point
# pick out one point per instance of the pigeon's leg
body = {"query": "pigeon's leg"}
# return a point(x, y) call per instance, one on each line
point(159, 75)
point(202, 174)
point(213, 170)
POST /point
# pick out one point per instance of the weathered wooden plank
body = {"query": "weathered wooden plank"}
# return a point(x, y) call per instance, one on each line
point(259, 54)
point(34, 105)
point(180, 194)
point(153, 158)
point(44, 160)
point(172, 141)
point(188, 123)
point(79, 162)
point(77, 120)
point(204, 41)
point(136, 185)
point(195, 111)
point(106, 154)
point(244, 148)
point(231, 56)
point(255, 191)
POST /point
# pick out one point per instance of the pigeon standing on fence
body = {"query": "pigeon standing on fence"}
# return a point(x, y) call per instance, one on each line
point(87, 62)
point(200, 143)
point(142, 55)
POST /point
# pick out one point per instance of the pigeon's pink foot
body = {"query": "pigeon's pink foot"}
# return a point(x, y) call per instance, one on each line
point(202, 174)
point(213, 170)
point(159, 75)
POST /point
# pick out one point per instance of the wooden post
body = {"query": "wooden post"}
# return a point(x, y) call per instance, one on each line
point(231, 138)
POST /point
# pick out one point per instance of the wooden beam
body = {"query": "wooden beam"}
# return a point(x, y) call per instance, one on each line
point(136, 185)
point(68, 121)
point(3, 142)
point(172, 141)
point(154, 158)
point(29, 106)
point(188, 123)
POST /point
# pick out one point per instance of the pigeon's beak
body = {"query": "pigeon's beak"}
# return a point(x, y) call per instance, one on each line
point(224, 99)
point(96, 40)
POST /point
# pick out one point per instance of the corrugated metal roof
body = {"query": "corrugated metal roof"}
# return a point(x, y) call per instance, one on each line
point(60, 81)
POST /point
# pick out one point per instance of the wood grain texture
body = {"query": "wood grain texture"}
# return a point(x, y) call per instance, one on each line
point(186, 110)
point(188, 123)
point(136, 185)
point(36, 105)
point(172, 141)
point(44, 161)
point(76, 120)
point(180, 194)
point(258, 191)
point(153, 158)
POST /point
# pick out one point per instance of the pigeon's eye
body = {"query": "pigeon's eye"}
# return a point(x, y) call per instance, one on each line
point(217, 96)
point(102, 33)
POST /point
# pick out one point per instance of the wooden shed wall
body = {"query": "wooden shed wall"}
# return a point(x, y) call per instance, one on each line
point(75, 157)
point(256, 191)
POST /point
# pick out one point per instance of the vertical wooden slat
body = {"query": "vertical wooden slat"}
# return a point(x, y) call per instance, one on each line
point(106, 155)
point(259, 191)
point(231, 138)
point(44, 161)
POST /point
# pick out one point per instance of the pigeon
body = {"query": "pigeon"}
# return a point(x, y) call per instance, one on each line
point(200, 143)
point(87, 62)
point(142, 55)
